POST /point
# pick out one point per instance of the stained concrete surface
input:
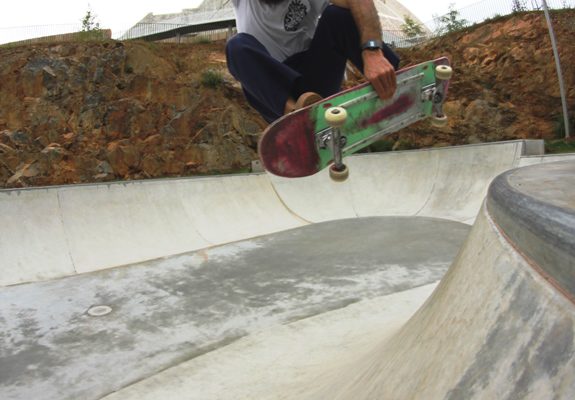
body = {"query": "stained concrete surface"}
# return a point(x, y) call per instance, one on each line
point(494, 328)
point(347, 332)
point(172, 309)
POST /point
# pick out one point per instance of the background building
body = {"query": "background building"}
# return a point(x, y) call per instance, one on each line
point(216, 17)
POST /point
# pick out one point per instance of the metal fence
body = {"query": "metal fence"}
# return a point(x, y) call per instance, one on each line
point(480, 12)
point(23, 33)
point(62, 33)
point(201, 37)
point(188, 22)
point(487, 9)
point(469, 15)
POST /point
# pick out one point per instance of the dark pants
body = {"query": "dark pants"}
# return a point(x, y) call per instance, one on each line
point(267, 83)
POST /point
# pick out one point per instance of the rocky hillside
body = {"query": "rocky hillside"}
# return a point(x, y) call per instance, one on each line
point(89, 112)
point(93, 112)
point(505, 84)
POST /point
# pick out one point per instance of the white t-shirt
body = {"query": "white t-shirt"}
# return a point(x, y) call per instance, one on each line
point(284, 29)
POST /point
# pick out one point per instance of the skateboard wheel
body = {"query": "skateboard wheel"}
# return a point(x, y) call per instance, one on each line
point(443, 72)
point(439, 121)
point(338, 176)
point(335, 116)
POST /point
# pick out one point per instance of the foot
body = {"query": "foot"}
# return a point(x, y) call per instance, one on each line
point(306, 99)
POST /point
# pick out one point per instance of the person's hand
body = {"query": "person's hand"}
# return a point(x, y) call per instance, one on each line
point(380, 73)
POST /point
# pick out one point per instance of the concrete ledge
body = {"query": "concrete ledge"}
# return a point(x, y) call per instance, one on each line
point(535, 208)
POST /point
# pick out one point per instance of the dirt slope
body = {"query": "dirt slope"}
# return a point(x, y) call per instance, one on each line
point(505, 84)
point(87, 112)
point(90, 112)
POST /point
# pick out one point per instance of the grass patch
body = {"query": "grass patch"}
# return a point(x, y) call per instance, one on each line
point(203, 40)
point(212, 78)
point(560, 146)
point(217, 172)
point(382, 145)
point(559, 123)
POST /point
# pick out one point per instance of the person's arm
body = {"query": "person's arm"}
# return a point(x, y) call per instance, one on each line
point(377, 70)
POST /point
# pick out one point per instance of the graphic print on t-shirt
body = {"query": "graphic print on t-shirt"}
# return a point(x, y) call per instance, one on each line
point(295, 15)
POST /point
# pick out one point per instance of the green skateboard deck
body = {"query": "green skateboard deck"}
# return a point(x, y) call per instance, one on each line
point(304, 142)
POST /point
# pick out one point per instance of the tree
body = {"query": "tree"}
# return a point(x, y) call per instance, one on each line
point(89, 23)
point(451, 22)
point(90, 27)
point(518, 6)
point(411, 28)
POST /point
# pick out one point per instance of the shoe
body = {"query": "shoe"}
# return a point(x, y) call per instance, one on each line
point(306, 99)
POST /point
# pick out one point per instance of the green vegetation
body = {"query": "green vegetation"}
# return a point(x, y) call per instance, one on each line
point(218, 172)
point(90, 27)
point(381, 146)
point(495, 18)
point(518, 6)
point(89, 23)
point(212, 78)
point(450, 22)
point(411, 28)
point(559, 146)
point(559, 131)
point(203, 40)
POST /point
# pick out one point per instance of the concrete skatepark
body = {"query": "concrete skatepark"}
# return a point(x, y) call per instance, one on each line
point(443, 273)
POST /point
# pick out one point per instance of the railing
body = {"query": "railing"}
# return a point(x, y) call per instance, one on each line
point(487, 9)
point(197, 24)
point(186, 23)
point(400, 39)
point(201, 37)
point(471, 15)
point(23, 33)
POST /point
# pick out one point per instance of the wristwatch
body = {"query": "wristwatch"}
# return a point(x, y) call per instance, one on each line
point(372, 45)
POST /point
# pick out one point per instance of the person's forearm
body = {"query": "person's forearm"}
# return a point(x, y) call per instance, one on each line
point(366, 18)
point(376, 68)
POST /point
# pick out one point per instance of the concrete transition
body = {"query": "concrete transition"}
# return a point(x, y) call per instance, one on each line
point(255, 287)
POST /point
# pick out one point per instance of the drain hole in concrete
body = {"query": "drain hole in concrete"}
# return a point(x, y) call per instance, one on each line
point(99, 311)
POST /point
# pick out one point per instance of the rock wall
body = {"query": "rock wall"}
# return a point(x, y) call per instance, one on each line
point(86, 112)
point(101, 111)
point(505, 84)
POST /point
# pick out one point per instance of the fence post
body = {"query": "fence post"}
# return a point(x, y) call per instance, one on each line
point(558, 66)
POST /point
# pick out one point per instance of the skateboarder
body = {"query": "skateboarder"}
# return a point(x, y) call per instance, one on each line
point(290, 53)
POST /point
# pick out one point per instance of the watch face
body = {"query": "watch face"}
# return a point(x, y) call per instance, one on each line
point(372, 45)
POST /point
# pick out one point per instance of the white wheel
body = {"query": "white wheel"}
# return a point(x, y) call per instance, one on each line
point(443, 72)
point(335, 116)
point(439, 122)
point(338, 176)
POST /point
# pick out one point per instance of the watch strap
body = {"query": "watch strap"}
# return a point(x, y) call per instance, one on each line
point(372, 44)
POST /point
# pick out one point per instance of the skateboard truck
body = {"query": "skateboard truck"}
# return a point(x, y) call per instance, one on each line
point(442, 73)
point(335, 118)
point(320, 136)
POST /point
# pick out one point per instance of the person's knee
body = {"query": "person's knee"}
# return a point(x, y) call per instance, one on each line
point(234, 46)
point(239, 43)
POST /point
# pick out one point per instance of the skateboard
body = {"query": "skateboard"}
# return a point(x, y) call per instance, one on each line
point(310, 139)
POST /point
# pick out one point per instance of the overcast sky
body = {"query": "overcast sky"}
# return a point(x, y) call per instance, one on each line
point(119, 15)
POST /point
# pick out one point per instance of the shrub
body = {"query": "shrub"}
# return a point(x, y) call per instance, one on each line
point(212, 78)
